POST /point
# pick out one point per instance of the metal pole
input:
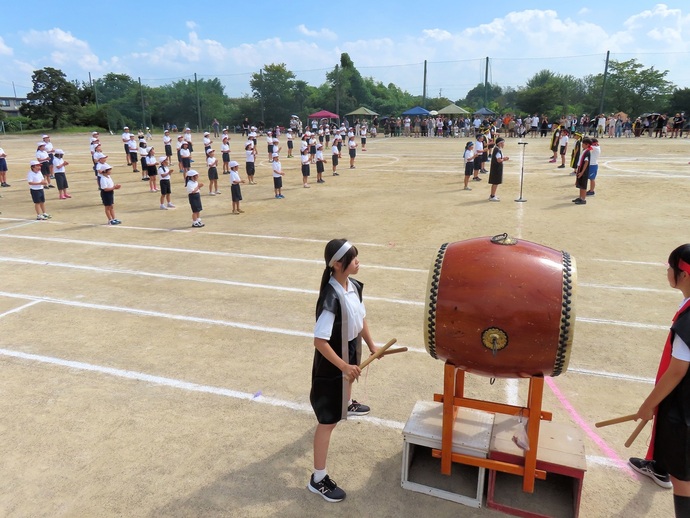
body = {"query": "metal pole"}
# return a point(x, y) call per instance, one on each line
point(143, 110)
point(261, 75)
point(198, 102)
point(603, 86)
point(424, 87)
point(486, 83)
point(522, 170)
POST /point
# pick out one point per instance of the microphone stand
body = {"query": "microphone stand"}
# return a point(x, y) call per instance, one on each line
point(522, 170)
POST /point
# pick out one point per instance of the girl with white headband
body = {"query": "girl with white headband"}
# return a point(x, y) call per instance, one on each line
point(340, 328)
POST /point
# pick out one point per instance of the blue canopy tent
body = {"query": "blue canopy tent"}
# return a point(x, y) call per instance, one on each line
point(417, 110)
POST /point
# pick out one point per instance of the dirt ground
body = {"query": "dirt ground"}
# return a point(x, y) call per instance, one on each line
point(152, 369)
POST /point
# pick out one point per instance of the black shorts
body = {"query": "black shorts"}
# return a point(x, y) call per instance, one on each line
point(334, 160)
point(61, 181)
point(291, 145)
point(364, 141)
point(133, 157)
point(142, 160)
point(478, 162)
point(270, 149)
point(3, 165)
point(277, 182)
point(45, 168)
point(250, 168)
point(213, 173)
point(165, 187)
point(168, 150)
point(319, 167)
point(186, 162)
point(236, 192)
point(37, 195)
point(562, 150)
point(581, 182)
point(305, 170)
point(353, 153)
point(226, 157)
point(195, 202)
point(469, 167)
point(108, 198)
point(151, 170)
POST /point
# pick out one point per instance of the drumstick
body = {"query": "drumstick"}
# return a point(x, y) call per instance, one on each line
point(617, 420)
point(376, 355)
point(393, 351)
point(634, 435)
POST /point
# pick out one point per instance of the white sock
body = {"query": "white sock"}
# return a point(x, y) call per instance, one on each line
point(349, 402)
point(319, 475)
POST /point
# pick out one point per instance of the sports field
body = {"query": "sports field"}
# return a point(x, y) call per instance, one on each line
point(154, 369)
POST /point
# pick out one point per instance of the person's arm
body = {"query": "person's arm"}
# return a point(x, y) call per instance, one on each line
point(350, 371)
point(668, 381)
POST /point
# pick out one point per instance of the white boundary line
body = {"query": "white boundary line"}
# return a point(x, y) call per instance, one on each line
point(20, 308)
point(192, 251)
point(217, 391)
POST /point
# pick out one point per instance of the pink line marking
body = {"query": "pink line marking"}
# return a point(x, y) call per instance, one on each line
point(605, 448)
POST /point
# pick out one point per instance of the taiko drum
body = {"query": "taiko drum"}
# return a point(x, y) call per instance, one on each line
point(501, 307)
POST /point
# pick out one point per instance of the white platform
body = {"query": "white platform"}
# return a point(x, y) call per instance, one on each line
point(471, 436)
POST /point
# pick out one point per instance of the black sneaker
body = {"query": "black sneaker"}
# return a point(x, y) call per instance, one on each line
point(327, 488)
point(590, 193)
point(580, 201)
point(647, 467)
point(356, 408)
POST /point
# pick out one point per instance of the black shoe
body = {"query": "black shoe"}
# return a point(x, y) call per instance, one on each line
point(561, 167)
point(476, 179)
point(580, 201)
point(590, 193)
point(574, 200)
point(51, 186)
point(356, 408)
point(647, 467)
point(327, 488)
point(336, 174)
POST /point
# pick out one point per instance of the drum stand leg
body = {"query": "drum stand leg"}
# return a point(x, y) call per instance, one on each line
point(453, 398)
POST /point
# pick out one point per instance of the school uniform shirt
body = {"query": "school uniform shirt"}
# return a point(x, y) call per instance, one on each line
point(167, 140)
point(42, 156)
point(563, 141)
point(249, 155)
point(150, 161)
point(49, 147)
point(105, 182)
point(191, 186)
point(185, 153)
point(334, 149)
point(132, 145)
point(319, 155)
point(277, 169)
point(225, 148)
point(34, 176)
point(207, 142)
point(58, 165)
point(594, 155)
point(187, 137)
point(211, 162)
point(234, 177)
point(164, 172)
point(126, 136)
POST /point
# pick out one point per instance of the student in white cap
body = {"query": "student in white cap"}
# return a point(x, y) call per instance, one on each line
point(108, 188)
point(167, 145)
point(319, 163)
point(212, 163)
point(278, 177)
point(193, 186)
point(132, 146)
point(225, 151)
point(250, 153)
point(151, 169)
point(43, 159)
point(235, 189)
point(37, 181)
point(3, 168)
point(59, 164)
point(306, 159)
point(164, 173)
point(125, 140)
point(207, 141)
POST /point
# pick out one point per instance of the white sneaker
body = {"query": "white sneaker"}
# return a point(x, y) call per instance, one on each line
point(212, 194)
point(171, 205)
point(494, 198)
point(217, 192)
point(163, 207)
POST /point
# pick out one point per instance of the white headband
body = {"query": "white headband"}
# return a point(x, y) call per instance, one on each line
point(340, 253)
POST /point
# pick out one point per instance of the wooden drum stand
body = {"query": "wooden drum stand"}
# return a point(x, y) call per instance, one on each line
point(453, 398)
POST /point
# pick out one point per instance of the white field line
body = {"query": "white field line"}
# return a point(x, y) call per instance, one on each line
point(218, 391)
point(20, 308)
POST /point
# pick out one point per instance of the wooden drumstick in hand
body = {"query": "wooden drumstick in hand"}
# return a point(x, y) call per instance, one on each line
point(374, 356)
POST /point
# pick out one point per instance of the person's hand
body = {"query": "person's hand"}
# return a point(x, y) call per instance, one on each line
point(374, 349)
point(117, 186)
point(645, 413)
point(351, 372)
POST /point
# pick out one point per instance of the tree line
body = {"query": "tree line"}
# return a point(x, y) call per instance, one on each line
point(117, 100)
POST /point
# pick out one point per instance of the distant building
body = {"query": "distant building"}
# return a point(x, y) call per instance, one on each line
point(10, 105)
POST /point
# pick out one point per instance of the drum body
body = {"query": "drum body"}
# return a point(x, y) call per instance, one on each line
point(501, 307)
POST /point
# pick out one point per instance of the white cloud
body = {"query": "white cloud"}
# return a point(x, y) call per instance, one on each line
point(325, 34)
point(63, 50)
point(4, 49)
point(192, 26)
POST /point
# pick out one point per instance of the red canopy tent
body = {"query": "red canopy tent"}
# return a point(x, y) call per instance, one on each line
point(324, 114)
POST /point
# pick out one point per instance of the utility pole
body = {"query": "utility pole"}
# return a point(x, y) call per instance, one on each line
point(486, 83)
point(261, 75)
point(603, 86)
point(198, 103)
point(143, 106)
point(424, 87)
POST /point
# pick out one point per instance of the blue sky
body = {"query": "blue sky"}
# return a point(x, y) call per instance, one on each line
point(164, 41)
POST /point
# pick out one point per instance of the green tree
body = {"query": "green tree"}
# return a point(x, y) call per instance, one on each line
point(680, 101)
point(53, 97)
point(274, 87)
point(634, 89)
point(475, 97)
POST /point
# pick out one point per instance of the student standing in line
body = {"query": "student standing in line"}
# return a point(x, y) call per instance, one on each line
point(151, 169)
point(595, 151)
point(341, 326)
point(167, 145)
point(496, 168)
point(290, 143)
point(335, 154)
point(59, 164)
point(225, 154)
point(305, 168)
point(108, 188)
point(126, 135)
point(37, 181)
point(319, 164)
point(166, 190)
point(193, 187)
point(278, 177)
point(352, 149)
point(478, 154)
point(235, 189)
point(185, 157)
point(3, 168)
point(212, 163)
point(250, 159)
point(468, 158)
point(43, 159)
point(562, 147)
point(133, 153)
